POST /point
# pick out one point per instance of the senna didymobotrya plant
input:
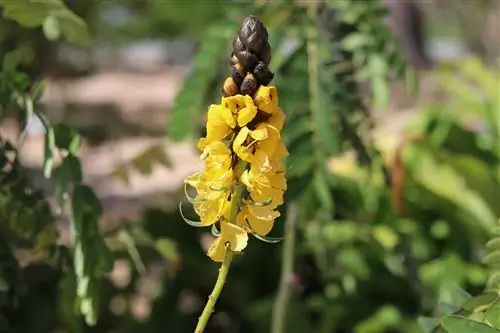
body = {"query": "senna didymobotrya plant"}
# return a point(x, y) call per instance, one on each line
point(243, 179)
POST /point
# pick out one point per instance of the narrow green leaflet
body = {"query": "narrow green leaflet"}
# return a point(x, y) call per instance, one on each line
point(49, 147)
point(190, 102)
point(458, 324)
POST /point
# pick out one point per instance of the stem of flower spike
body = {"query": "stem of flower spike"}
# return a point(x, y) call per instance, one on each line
point(212, 299)
point(228, 257)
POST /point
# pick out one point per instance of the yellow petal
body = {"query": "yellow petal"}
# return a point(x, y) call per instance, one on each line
point(245, 179)
point(263, 213)
point(280, 151)
point(260, 133)
point(271, 142)
point(220, 120)
point(194, 179)
point(260, 227)
point(277, 119)
point(217, 250)
point(266, 99)
point(210, 211)
point(236, 236)
point(278, 181)
point(219, 113)
point(241, 151)
point(247, 114)
point(233, 103)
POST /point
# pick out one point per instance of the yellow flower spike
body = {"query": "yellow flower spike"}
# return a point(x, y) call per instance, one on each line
point(266, 99)
point(232, 236)
point(243, 179)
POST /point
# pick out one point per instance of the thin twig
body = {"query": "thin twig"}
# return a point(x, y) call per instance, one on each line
point(283, 297)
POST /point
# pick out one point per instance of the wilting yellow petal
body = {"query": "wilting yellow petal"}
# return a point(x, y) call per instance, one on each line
point(266, 99)
point(217, 250)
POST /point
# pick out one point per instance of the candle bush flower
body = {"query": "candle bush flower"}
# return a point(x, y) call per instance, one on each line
point(243, 179)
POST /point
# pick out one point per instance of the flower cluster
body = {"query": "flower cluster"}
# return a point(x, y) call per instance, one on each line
point(243, 180)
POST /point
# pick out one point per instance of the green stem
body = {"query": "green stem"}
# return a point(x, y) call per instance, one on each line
point(283, 298)
point(212, 299)
point(228, 257)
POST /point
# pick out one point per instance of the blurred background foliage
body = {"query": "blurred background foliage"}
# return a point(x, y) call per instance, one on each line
point(384, 223)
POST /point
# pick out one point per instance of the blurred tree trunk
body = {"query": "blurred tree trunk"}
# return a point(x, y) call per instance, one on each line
point(407, 22)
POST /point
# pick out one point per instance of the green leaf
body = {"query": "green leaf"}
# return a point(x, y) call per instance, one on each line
point(320, 183)
point(356, 40)
point(66, 137)
point(493, 245)
point(380, 91)
point(32, 14)
point(493, 259)
point(70, 170)
point(87, 201)
point(492, 314)
point(479, 302)
point(427, 324)
point(51, 28)
point(38, 89)
point(11, 60)
point(444, 182)
point(458, 324)
point(378, 65)
point(29, 109)
point(49, 147)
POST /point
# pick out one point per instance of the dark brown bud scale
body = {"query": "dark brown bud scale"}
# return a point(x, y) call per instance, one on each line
point(249, 85)
point(250, 57)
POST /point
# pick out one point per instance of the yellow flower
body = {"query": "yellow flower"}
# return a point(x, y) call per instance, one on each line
point(248, 143)
point(242, 106)
point(232, 236)
point(212, 193)
point(259, 220)
point(266, 99)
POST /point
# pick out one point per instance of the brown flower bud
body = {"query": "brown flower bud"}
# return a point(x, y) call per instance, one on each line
point(249, 85)
point(229, 88)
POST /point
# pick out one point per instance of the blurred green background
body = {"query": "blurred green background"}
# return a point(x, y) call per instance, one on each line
point(393, 129)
